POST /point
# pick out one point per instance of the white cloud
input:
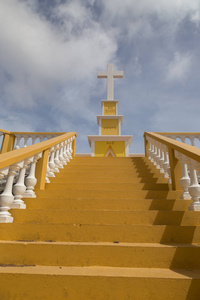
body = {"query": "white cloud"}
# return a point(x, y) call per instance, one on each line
point(133, 17)
point(178, 69)
point(38, 56)
point(163, 8)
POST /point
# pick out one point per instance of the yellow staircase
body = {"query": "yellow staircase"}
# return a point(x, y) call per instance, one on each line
point(104, 228)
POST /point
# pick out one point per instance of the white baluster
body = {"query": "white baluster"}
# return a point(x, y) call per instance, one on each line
point(33, 137)
point(26, 137)
point(52, 164)
point(185, 179)
point(4, 172)
point(66, 151)
point(18, 138)
point(61, 156)
point(6, 198)
point(194, 188)
point(19, 188)
point(191, 138)
point(56, 160)
point(31, 181)
point(47, 180)
point(161, 160)
point(49, 173)
point(166, 165)
point(151, 152)
point(70, 147)
point(41, 137)
point(157, 156)
point(182, 138)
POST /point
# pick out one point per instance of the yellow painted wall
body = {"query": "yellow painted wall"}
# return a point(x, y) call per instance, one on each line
point(110, 108)
point(101, 148)
point(109, 127)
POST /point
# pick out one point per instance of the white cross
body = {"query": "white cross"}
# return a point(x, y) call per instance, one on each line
point(110, 74)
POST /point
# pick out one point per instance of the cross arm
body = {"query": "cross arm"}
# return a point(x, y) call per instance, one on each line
point(102, 74)
point(118, 74)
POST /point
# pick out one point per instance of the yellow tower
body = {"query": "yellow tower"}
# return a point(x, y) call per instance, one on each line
point(110, 142)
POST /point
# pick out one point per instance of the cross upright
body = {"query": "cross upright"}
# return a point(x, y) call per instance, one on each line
point(110, 74)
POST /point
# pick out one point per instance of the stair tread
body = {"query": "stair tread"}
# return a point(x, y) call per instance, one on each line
point(103, 244)
point(101, 271)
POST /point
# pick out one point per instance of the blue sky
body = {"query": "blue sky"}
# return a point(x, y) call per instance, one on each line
point(51, 51)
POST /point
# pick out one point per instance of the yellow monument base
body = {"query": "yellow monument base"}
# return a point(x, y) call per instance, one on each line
point(114, 146)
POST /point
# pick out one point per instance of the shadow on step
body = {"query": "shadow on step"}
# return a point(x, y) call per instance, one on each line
point(194, 289)
point(148, 171)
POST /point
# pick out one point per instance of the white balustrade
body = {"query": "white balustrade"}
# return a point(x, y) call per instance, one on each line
point(12, 195)
point(191, 137)
point(189, 180)
point(24, 139)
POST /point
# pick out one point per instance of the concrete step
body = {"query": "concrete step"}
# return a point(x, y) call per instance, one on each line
point(107, 168)
point(63, 216)
point(39, 282)
point(108, 203)
point(101, 233)
point(132, 255)
point(109, 175)
point(104, 160)
point(137, 194)
point(107, 186)
point(91, 179)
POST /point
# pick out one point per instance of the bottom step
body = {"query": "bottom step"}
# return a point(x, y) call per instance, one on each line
point(101, 283)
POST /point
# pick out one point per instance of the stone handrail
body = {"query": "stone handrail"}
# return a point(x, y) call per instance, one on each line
point(177, 161)
point(32, 166)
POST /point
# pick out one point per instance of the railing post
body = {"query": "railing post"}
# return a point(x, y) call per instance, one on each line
point(8, 143)
point(74, 147)
point(175, 170)
point(41, 169)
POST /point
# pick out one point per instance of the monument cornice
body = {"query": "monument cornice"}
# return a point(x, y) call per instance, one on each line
point(110, 138)
point(109, 117)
